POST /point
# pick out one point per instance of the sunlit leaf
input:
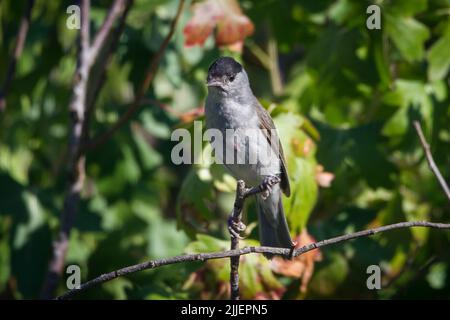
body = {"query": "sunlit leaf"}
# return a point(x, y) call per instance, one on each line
point(409, 36)
point(439, 58)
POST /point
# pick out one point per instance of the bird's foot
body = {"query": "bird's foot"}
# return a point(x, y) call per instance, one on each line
point(267, 184)
point(235, 228)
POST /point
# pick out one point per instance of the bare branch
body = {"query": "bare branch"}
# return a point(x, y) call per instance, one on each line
point(102, 35)
point(21, 37)
point(80, 109)
point(98, 72)
point(247, 250)
point(235, 226)
point(144, 86)
point(76, 173)
point(430, 160)
point(235, 220)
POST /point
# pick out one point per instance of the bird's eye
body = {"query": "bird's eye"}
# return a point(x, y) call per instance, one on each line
point(231, 78)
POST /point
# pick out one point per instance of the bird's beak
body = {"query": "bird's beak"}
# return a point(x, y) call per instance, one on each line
point(213, 83)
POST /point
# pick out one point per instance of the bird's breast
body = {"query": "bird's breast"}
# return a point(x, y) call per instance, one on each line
point(230, 115)
point(245, 152)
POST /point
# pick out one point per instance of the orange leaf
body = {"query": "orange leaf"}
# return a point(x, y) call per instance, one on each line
point(232, 25)
point(301, 266)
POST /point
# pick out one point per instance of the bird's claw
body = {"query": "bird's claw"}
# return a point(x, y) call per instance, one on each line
point(267, 184)
point(235, 228)
point(292, 250)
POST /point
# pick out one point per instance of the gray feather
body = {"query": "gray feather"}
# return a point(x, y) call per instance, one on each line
point(273, 228)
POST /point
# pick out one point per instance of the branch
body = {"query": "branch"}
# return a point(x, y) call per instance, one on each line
point(430, 160)
point(235, 226)
point(21, 36)
point(235, 220)
point(80, 109)
point(76, 159)
point(247, 250)
point(99, 41)
point(105, 54)
point(154, 62)
point(275, 75)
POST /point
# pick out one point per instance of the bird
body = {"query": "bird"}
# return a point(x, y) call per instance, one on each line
point(231, 106)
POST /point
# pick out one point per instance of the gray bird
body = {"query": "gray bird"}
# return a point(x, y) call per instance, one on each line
point(230, 104)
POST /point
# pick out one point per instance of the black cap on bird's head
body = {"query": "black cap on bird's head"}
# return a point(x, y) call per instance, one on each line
point(223, 71)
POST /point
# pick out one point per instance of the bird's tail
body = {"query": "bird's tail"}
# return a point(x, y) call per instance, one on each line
point(273, 228)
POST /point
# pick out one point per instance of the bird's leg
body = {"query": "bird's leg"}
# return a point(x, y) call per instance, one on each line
point(235, 227)
point(267, 184)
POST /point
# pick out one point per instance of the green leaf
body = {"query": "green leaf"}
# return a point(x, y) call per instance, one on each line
point(193, 201)
point(30, 248)
point(118, 288)
point(439, 58)
point(304, 192)
point(249, 276)
point(79, 248)
point(17, 162)
point(327, 280)
point(439, 90)
point(398, 124)
point(407, 8)
point(301, 169)
point(206, 243)
point(408, 93)
point(149, 156)
point(5, 255)
point(437, 275)
point(156, 128)
point(129, 165)
point(408, 35)
point(381, 62)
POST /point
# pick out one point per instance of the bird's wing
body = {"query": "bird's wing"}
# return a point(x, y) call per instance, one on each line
point(266, 123)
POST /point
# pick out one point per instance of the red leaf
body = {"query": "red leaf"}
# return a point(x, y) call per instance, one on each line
point(232, 25)
point(271, 295)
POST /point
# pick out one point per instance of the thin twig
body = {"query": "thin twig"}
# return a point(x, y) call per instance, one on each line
point(150, 74)
point(286, 252)
point(21, 37)
point(430, 160)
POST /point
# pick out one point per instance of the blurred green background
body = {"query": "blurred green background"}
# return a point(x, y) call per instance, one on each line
point(343, 98)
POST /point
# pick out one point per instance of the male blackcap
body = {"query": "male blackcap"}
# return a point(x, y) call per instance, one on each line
point(231, 105)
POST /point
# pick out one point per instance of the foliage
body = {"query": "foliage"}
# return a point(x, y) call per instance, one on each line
point(344, 114)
